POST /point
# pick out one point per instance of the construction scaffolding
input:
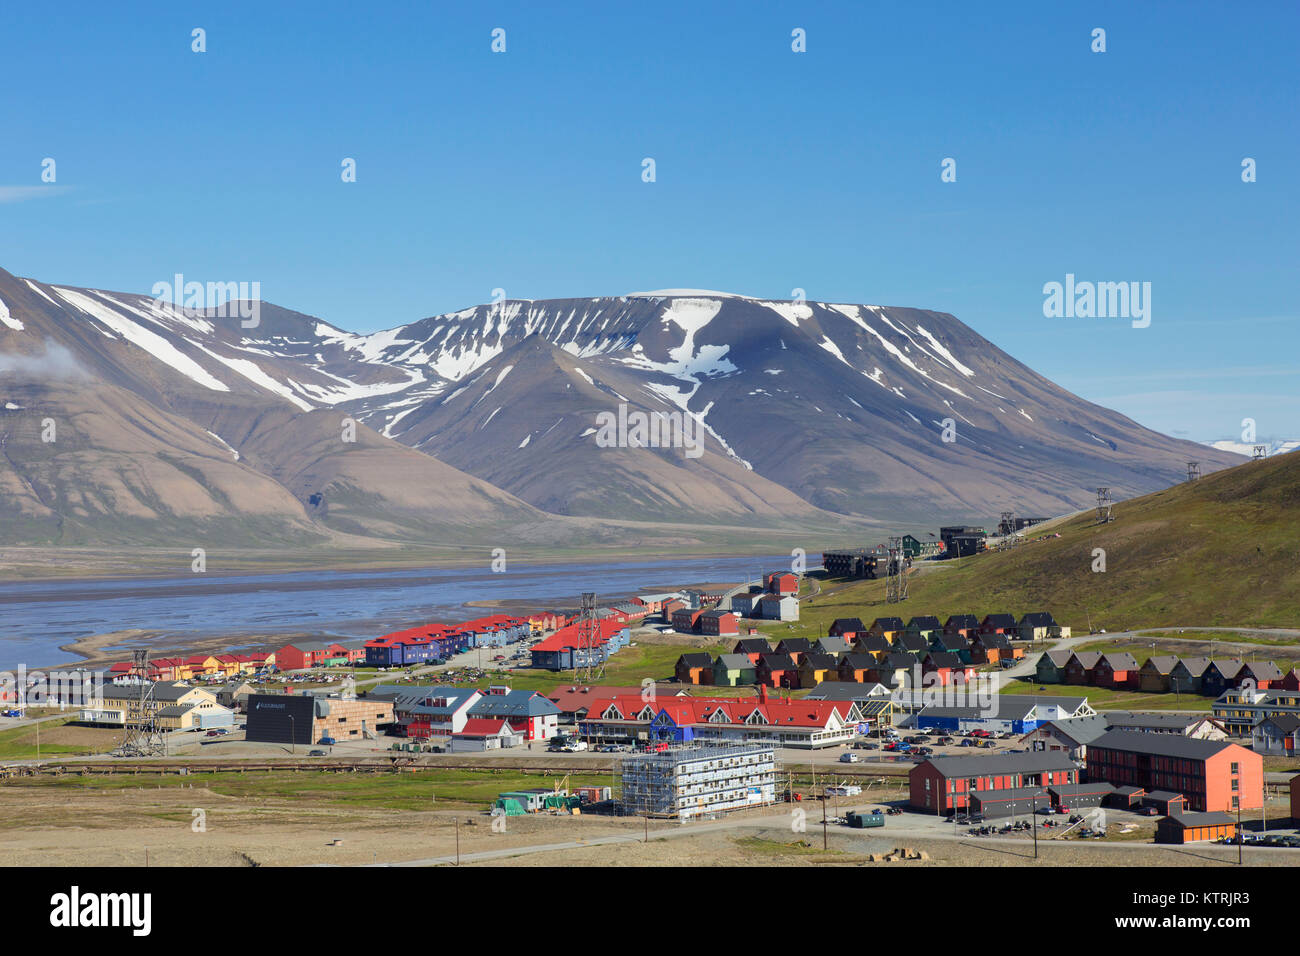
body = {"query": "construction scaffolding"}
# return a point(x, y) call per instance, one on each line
point(691, 781)
point(896, 572)
point(1103, 506)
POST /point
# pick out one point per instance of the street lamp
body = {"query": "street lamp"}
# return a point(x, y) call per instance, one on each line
point(293, 734)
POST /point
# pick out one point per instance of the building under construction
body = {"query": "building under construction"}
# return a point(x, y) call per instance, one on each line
point(687, 782)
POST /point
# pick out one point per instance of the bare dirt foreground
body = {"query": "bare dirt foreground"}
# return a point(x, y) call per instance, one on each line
point(89, 825)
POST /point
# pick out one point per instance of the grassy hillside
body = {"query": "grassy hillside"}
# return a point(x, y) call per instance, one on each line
point(1221, 551)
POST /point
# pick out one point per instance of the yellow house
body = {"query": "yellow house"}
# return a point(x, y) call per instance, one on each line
point(126, 697)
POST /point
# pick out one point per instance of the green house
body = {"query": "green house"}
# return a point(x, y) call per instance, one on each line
point(1050, 668)
point(733, 670)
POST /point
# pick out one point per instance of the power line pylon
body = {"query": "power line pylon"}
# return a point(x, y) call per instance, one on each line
point(141, 736)
point(896, 573)
point(1193, 470)
point(587, 638)
point(1260, 452)
point(1103, 506)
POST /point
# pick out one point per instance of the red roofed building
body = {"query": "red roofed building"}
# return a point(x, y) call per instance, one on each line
point(806, 724)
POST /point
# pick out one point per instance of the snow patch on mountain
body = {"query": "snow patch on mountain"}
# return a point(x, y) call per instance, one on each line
point(258, 376)
point(939, 347)
point(8, 320)
point(792, 312)
point(143, 338)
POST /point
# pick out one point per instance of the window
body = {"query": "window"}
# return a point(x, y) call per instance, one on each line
point(1235, 768)
point(1236, 802)
point(1235, 786)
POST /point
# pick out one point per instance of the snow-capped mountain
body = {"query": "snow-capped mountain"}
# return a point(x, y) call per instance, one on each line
point(803, 411)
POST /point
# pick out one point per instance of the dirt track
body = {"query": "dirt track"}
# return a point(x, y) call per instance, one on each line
point(116, 827)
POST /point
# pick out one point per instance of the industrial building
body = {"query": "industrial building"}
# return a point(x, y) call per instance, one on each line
point(687, 782)
point(295, 719)
point(961, 540)
point(852, 563)
point(1006, 713)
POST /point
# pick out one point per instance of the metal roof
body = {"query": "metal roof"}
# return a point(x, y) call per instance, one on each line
point(1161, 745)
point(980, 765)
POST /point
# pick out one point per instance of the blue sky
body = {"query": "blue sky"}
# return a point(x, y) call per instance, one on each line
point(774, 169)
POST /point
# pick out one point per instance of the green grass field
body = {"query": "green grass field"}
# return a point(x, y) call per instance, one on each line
point(1217, 552)
point(626, 668)
point(19, 743)
point(1104, 698)
point(429, 789)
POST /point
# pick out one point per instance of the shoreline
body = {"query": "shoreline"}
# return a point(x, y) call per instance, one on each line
point(106, 648)
point(421, 562)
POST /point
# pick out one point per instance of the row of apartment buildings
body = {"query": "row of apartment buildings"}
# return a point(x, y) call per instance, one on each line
point(1192, 774)
point(1161, 673)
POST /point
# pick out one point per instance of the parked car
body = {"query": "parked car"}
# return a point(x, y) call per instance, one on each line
point(212, 733)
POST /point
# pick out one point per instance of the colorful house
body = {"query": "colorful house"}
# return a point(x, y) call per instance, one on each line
point(694, 669)
point(733, 670)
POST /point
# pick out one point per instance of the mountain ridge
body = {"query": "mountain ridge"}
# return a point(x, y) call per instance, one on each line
point(809, 412)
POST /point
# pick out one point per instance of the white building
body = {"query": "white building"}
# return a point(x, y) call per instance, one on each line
point(777, 608)
point(692, 781)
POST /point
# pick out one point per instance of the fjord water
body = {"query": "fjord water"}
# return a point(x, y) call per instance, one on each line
point(37, 618)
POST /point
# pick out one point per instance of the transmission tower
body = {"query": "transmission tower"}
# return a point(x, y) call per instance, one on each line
point(141, 736)
point(588, 632)
point(895, 573)
point(1007, 528)
point(1260, 453)
point(1103, 506)
point(1193, 470)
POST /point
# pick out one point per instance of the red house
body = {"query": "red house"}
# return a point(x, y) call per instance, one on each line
point(719, 624)
point(1115, 670)
point(304, 654)
point(685, 620)
point(782, 582)
point(777, 670)
point(1291, 681)
point(1265, 674)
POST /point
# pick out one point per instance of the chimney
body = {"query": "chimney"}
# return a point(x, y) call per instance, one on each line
point(762, 693)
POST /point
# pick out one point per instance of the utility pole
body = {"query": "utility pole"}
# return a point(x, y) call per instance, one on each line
point(458, 841)
point(1240, 837)
point(824, 837)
